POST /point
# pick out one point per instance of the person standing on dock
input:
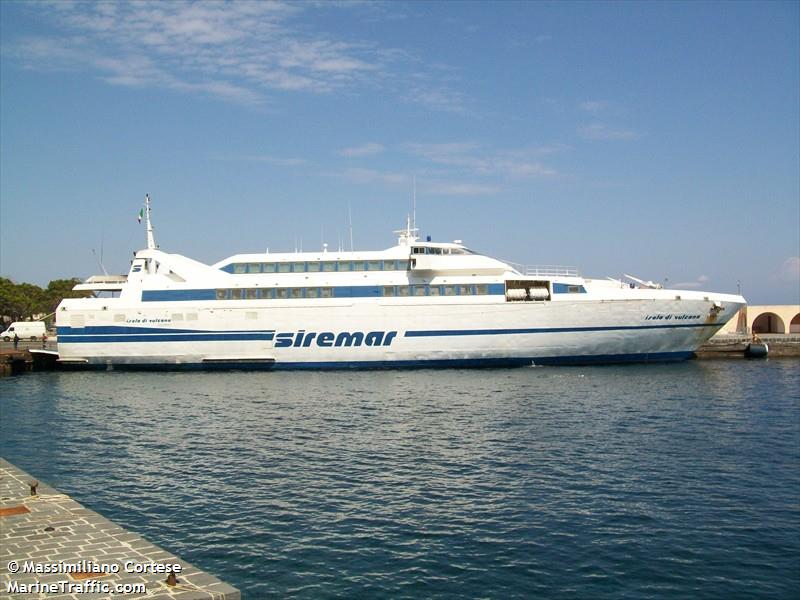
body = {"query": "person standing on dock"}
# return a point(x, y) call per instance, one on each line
point(16, 341)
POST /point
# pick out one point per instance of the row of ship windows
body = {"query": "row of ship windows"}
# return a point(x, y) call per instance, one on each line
point(326, 266)
point(328, 292)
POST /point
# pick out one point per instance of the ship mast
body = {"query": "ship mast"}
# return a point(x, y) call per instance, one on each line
point(151, 242)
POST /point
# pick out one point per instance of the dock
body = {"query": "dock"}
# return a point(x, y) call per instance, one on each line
point(734, 346)
point(53, 547)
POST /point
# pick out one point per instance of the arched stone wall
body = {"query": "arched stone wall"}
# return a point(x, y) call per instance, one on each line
point(794, 325)
point(768, 322)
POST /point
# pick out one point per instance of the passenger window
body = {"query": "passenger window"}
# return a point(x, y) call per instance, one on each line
point(482, 290)
point(344, 266)
point(464, 290)
point(402, 290)
point(326, 292)
point(299, 267)
point(389, 291)
point(268, 293)
point(358, 265)
point(297, 292)
point(269, 267)
point(419, 290)
point(435, 290)
point(222, 294)
point(284, 267)
point(329, 266)
point(449, 290)
point(282, 293)
point(313, 267)
point(374, 265)
point(252, 294)
point(312, 292)
point(239, 268)
point(236, 294)
point(254, 267)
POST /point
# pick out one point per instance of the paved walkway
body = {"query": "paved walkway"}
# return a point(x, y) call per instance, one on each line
point(51, 532)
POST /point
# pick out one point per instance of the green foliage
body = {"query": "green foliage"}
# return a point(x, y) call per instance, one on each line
point(23, 301)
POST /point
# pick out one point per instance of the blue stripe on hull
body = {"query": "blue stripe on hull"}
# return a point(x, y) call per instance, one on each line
point(104, 334)
point(169, 337)
point(454, 332)
point(398, 364)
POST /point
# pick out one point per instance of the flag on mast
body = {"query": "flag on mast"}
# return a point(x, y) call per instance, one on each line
point(141, 215)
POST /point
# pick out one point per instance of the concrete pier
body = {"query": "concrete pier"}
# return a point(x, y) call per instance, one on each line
point(53, 547)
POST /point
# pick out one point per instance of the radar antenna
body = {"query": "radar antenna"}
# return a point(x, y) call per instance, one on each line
point(151, 242)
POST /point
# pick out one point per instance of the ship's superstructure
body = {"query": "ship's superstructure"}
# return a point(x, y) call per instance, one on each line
point(419, 303)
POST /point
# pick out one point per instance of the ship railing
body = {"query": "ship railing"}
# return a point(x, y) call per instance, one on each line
point(546, 270)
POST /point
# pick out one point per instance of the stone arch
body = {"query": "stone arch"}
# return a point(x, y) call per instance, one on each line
point(794, 325)
point(768, 322)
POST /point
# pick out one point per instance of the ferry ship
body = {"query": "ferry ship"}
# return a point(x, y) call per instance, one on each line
point(416, 304)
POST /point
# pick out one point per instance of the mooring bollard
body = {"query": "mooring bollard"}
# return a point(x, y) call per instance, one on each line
point(34, 484)
point(172, 579)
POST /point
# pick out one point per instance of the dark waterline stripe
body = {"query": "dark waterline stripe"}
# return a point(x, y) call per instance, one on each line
point(597, 359)
point(451, 332)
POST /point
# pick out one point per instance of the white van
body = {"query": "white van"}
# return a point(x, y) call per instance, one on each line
point(32, 330)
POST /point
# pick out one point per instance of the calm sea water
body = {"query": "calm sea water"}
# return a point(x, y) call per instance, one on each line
point(644, 481)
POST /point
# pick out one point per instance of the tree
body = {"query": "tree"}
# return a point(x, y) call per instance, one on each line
point(23, 301)
point(20, 301)
point(58, 289)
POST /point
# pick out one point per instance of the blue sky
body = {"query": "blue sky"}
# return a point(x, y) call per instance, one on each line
point(657, 139)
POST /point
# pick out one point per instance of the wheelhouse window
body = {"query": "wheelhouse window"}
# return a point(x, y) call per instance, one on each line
point(254, 267)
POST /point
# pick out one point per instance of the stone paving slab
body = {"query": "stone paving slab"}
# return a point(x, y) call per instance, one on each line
point(57, 533)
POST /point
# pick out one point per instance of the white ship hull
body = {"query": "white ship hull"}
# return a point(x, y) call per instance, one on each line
point(387, 334)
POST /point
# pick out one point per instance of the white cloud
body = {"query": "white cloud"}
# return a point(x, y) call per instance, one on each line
point(266, 158)
point(439, 98)
point(593, 106)
point(445, 188)
point(601, 131)
point(691, 285)
point(368, 149)
point(789, 271)
point(235, 51)
point(472, 158)
point(361, 175)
